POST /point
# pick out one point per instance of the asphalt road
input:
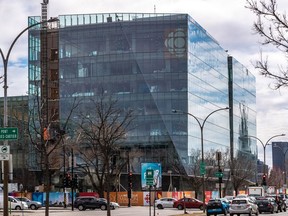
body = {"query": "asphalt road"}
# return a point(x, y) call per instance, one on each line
point(122, 211)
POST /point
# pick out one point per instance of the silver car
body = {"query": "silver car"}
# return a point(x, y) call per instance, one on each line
point(31, 204)
point(165, 202)
point(243, 206)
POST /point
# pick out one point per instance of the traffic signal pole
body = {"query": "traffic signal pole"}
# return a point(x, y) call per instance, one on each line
point(72, 185)
point(218, 157)
point(129, 192)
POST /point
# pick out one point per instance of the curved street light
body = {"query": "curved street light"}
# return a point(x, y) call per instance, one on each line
point(201, 125)
point(5, 60)
point(264, 147)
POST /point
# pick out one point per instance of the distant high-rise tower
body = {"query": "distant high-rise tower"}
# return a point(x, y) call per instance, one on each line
point(279, 154)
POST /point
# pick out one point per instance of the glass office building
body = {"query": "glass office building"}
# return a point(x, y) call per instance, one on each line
point(153, 64)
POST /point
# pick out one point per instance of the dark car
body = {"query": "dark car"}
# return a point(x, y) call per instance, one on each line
point(217, 206)
point(90, 202)
point(267, 205)
point(188, 203)
point(280, 201)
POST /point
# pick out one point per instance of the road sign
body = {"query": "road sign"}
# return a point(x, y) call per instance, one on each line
point(149, 177)
point(8, 133)
point(202, 168)
point(219, 174)
point(4, 152)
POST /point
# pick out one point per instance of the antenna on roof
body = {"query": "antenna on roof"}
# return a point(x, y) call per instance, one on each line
point(154, 8)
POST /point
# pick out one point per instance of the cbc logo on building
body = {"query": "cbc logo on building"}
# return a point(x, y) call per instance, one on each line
point(176, 42)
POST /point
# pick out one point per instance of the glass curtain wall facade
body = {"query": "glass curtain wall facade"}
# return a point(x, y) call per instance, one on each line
point(244, 111)
point(153, 64)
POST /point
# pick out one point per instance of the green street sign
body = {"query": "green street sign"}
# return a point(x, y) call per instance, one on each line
point(8, 133)
point(202, 168)
point(149, 177)
point(219, 174)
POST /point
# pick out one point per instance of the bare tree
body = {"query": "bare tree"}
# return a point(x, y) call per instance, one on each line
point(46, 141)
point(272, 26)
point(276, 178)
point(242, 171)
point(194, 169)
point(195, 177)
point(102, 131)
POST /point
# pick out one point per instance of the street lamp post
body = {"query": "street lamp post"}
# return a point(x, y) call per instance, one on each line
point(202, 141)
point(264, 148)
point(5, 108)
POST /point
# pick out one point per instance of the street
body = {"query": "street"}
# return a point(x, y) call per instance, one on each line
point(123, 211)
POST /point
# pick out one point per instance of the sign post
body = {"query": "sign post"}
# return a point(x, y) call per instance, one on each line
point(149, 182)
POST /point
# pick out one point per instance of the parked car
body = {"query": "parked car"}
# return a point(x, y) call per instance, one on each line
point(31, 204)
point(280, 201)
point(165, 202)
point(13, 203)
point(90, 202)
point(188, 203)
point(217, 206)
point(267, 205)
point(243, 206)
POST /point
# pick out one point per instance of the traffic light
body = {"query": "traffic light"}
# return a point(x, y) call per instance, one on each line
point(264, 182)
point(220, 176)
point(130, 180)
point(64, 182)
point(68, 180)
point(75, 181)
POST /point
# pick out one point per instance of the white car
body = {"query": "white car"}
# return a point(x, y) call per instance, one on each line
point(243, 206)
point(13, 203)
point(165, 202)
point(31, 204)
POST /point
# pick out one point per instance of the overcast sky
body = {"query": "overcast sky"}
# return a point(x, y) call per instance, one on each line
point(228, 21)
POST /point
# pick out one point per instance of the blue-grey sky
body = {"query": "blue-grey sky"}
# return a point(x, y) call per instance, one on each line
point(228, 21)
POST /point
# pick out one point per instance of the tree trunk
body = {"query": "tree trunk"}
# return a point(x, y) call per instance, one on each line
point(47, 185)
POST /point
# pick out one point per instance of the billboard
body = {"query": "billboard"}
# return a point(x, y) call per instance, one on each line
point(157, 175)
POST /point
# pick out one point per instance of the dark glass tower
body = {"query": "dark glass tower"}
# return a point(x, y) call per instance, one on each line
point(154, 63)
